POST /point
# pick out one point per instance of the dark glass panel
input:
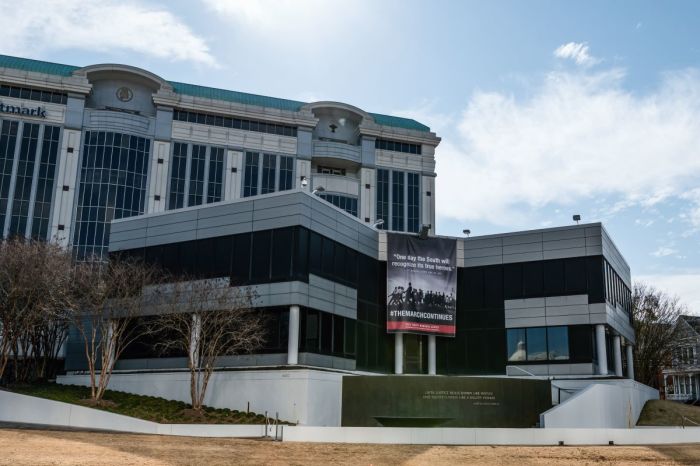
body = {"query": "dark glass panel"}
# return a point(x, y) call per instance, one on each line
point(240, 265)
point(581, 343)
point(315, 253)
point(327, 257)
point(575, 275)
point(513, 281)
point(260, 269)
point(282, 248)
point(533, 279)
point(338, 335)
point(554, 278)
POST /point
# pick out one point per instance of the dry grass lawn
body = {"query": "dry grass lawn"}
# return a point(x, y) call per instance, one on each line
point(668, 413)
point(45, 447)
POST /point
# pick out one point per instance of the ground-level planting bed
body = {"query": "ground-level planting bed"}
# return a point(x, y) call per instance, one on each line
point(150, 408)
point(669, 413)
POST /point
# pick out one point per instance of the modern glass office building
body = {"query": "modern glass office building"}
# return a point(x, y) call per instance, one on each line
point(294, 199)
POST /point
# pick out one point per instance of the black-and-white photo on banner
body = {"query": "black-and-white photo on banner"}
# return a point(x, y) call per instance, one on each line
point(421, 285)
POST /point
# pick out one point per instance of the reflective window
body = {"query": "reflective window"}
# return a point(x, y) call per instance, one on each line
point(250, 178)
point(235, 123)
point(397, 201)
point(112, 186)
point(33, 94)
point(325, 333)
point(45, 182)
point(347, 203)
point(413, 191)
point(178, 176)
point(547, 344)
point(23, 183)
point(383, 198)
point(196, 176)
point(269, 165)
point(286, 175)
point(216, 174)
point(270, 172)
point(517, 349)
point(396, 146)
point(558, 343)
point(537, 344)
point(8, 140)
point(197, 164)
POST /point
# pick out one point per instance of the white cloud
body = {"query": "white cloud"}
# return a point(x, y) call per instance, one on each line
point(664, 251)
point(577, 139)
point(34, 27)
point(685, 286)
point(576, 51)
point(312, 23)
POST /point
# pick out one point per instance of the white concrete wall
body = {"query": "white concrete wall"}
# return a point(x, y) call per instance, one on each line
point(601, 405)
point(232, 183)
point(303, 396)
point(67, 175)
point(158, 178)
point(466, 436)
point(23, 409)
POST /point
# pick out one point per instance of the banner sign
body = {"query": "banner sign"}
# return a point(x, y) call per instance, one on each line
point(421, 277)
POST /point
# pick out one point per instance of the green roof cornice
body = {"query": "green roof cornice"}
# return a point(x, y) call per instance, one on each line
point(57, 69)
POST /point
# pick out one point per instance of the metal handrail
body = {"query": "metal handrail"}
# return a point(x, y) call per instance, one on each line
point(683, 419)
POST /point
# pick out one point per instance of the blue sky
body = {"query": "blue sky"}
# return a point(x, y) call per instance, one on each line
point(545, 108)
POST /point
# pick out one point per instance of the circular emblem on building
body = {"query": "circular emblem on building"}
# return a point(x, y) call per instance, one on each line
point(125, 94)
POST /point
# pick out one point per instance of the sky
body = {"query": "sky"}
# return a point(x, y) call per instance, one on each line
point(545, 108)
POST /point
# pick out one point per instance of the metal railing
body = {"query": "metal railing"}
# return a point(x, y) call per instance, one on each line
point(278, 428)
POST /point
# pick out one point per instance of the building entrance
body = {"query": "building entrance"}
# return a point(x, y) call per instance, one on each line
point(415, 354)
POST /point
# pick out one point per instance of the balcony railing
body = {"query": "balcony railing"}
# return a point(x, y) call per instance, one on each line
point(337, 150)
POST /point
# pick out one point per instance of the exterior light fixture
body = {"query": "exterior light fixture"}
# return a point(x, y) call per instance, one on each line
point(378, 223)
point(304, 182)
point(320, 189)
point(577, 218)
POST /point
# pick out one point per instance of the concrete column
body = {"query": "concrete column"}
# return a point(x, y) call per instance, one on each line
point(630, 362)
point(617, 353)
point(195, 336)
point(432, 355)
point(293, 342)
point(600, 349)
point(398, 353)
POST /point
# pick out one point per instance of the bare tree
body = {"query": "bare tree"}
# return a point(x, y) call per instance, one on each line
point(32, 296)
point(655, 316)
point(210, 320)
point(108, 299)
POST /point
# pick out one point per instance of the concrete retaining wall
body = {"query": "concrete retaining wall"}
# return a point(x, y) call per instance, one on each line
point(456, 436)
point(23, 409)
point(614, 404)
point(301, 396)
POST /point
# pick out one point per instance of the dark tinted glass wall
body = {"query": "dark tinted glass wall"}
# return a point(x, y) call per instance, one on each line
point(480, 346)
point(148, 344)
point(616, 292)
point(559, 277)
